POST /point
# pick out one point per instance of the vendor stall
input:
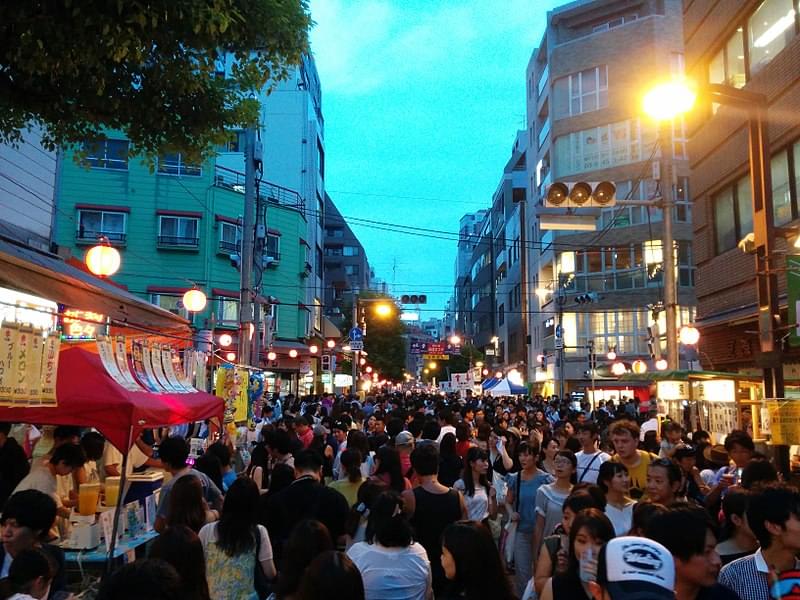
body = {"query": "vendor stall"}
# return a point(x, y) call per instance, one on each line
point(504, 387)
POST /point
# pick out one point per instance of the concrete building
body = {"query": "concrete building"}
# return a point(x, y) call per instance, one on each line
point(584, 86)
point(347, 269)
point(753, 45)
point(468, 234)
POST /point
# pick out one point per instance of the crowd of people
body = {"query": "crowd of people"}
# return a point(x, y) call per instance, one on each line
point(417, 496)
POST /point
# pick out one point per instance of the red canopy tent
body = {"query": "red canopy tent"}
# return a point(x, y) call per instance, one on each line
point(89, 397)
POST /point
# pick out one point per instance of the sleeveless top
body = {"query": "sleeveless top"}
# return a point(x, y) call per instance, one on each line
point(433, 513)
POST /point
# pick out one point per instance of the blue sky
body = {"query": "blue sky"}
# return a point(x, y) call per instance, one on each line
point(422, 100)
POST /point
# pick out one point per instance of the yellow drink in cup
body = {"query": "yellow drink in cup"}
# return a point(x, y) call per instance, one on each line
point(112, 491)
point(88, 497)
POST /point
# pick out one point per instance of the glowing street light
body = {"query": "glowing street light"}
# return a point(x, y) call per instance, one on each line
point(669, 100)
point(432, 366)
point(103, 260)
point(231, 356)
point(383, 309)
point(618, 369)
point(689, 335)
point(499, 375)
point(194, 300)
point(313, 349)
point(225, 340)
point(455, 340)
point(331, 343)
point(292, 353)
point(661, 364)
point(271, 355)
point(368, 369)
point(611, 355)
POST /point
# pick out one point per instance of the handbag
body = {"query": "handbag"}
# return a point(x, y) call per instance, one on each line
point(509, 535)
point(260, 581)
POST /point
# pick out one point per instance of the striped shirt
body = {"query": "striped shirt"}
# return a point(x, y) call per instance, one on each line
point(748, 577)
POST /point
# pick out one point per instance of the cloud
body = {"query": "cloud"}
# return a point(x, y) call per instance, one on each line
point(363, 45)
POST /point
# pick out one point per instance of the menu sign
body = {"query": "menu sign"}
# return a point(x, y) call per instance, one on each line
point(28, 366)
point(82, 325)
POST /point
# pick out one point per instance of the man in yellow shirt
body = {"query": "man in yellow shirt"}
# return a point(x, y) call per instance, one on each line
point(624, 436)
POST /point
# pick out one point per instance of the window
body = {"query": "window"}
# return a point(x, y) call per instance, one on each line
point(273, 246)
point(230, 237)
point(107, 154)
point(333, 251)
point(94, 223)
point(235, 144)
point(735, 73)
point(679, 139)
point(580, 92)
point(733, 215)
point(175, 164)
point(350, 251)
point(598, 148)
point(501, 314)
point(685, 264)
point(173, 304)
point(683, 204)
point(781, 196)
point(178, 231)
point(769, 30)
point(336, 232)
point(352, 270)
point(227, 310)
point(320, 159)
point(619, 21)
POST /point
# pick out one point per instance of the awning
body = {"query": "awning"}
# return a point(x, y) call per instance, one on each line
point(89, 397)
point(48, 276)
point(279, 345)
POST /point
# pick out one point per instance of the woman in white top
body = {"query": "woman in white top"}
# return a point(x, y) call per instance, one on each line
point(550, 497)
point(615, 482)
point(392, 565)
point(479, 494)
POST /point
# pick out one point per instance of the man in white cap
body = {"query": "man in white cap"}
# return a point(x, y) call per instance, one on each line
point(634, 568)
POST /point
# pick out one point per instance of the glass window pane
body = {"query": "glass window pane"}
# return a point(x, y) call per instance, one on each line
point(169, 226)
point(588, 81)
point(113, 223)
point(744, 205)
point(734, 52)
point(770, 28)
point(90, 222)
point(561, 98)
point(603, 77)
point(716, 69)
point(724, 224)
point(781, 200)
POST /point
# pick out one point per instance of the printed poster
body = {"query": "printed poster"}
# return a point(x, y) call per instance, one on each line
point(200, 376)
point(122, 362)
point(169, 372)
point(242, 396)
point(106, 352)
point(20, 392)
point(137, 358)
point(177, 367)
point(188, 367)
point(9, 333)
point(52, 345)
point(148, 367)
point(36, 350)
point(155, 360)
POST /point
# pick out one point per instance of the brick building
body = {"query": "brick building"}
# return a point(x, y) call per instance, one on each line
point(584, 85)
point(754, 45)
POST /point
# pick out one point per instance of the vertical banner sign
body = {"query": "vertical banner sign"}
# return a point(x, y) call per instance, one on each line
point(20, 393)
point(225, 388)
point(242, 397)
point(8, 351)
point(155, 359)
point(177, 366)
point(122, 362)
point(52, 344)
point(148, 367)
point(35, 370)
point(188, 367)
point(106, 352)
point(169, 372)
point(137, 358)
point(200, 378)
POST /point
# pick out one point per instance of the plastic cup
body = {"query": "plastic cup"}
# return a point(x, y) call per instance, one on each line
point(88, 497)
point(112, 491)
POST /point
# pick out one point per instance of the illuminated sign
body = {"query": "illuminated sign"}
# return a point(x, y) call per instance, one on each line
point(672, 390)
point(82, 325)
point(25, 309)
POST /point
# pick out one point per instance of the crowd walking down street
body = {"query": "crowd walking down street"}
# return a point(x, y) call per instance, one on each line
point(287, 518)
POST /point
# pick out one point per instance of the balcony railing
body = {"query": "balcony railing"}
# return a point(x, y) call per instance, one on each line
point(543, 78)
point(92, 237)
point(544, 131)
point(178, 241)
point(229, 247)
point(270, 192)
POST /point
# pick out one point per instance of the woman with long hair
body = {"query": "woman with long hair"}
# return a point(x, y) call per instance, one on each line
point(357, 440)
point(472, 562)
point(236, 545)
point(308, 540)
point(331, 576)
point(590, 530)
point(392, 565)
point(258, 469)
point(550, 447)
point(737, 539)
point(479, 493)
point(180, 547)
point(187, 506)
point(351, 465)
point(389, 470)
point(550, 497)
point(356, 525)
point(615, 482)
point(450, 463)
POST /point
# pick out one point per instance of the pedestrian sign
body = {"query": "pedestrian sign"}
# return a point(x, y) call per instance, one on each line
point(356, 335)
point(359, 345)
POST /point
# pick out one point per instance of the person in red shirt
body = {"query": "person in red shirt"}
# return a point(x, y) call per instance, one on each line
point(462, 435)
point(304, 432)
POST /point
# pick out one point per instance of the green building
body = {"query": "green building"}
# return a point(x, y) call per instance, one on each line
point(177, 226)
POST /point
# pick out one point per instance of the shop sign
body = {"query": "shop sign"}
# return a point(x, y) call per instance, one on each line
point(81, 325)
point(342, 380)
point(461, 381)
point(435, 357)
point(784, 421)
point(672, 390)
point(25, 309)
point(325, 378)
point(28, 366)
point(715, 390)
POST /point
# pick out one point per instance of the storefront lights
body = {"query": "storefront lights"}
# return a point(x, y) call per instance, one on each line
point(689, 335)
point(225, 340)
point(618, 369)
point(271, 355)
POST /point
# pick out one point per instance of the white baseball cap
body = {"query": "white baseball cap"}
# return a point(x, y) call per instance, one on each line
point(635, 568)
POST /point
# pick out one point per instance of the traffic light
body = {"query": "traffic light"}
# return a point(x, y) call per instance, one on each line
point(581, 194)
point(586, 298)
point(325, 361)
point(413, 299)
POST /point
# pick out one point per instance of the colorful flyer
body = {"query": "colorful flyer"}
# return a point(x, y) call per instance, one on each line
point(137, 358)
point(188, 366)
point(9, 333)
point(177, 367)
point(169, 372)
point(147, 361)
point(121, 356)
point(106, 352)
point(158, 369)
point(52, 345)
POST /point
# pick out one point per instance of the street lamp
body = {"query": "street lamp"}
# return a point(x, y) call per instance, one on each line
point(689, 335)
point(455, 340)
point(383, 308)
point(432, 366)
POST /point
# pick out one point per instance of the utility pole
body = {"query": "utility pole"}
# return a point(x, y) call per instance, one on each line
point(260, 243)
point(356, 355)
point(561, 298)
point(248, 241)
point(668, 243)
